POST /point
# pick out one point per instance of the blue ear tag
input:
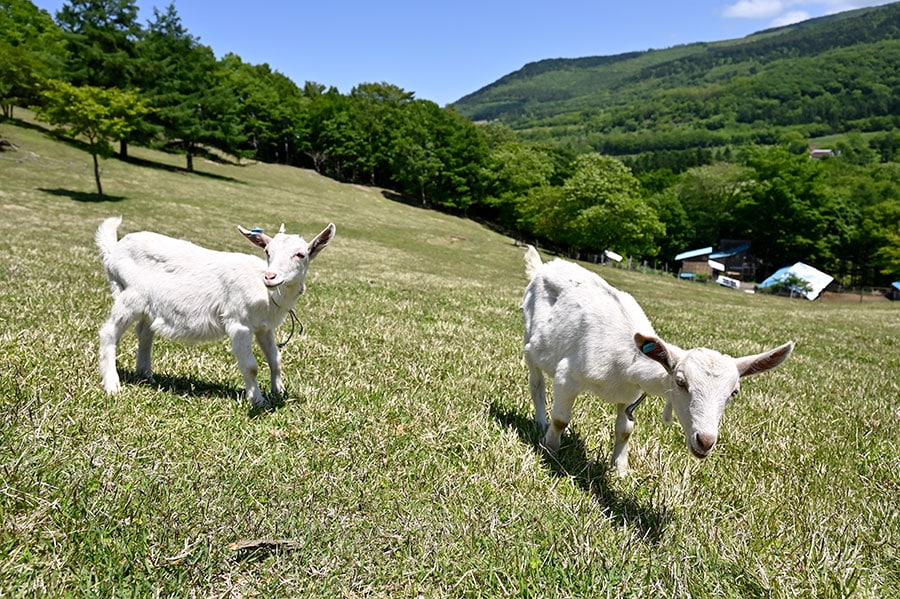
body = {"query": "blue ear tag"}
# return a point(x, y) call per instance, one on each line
point(648, 347)
point(256, 231)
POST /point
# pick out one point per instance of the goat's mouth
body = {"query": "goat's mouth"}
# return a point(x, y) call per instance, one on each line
point(698, 453)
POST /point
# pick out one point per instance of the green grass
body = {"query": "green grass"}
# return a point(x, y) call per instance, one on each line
point(403, 461)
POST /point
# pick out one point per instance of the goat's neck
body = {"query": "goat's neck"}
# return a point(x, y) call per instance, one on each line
point(655, 381)
point(650, 375)
point(283, 297)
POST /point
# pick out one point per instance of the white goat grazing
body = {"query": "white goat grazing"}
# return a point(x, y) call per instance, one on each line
point(185, 292)
point(590, 337)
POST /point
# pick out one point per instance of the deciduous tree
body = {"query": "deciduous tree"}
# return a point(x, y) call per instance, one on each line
point(99, 115)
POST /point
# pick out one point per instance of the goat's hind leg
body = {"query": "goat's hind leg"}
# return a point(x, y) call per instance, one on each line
point(560, 413)
point(538, 388)
point(145, 347)
point(120, 318)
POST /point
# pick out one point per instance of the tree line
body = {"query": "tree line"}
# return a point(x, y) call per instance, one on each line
point(94, 72)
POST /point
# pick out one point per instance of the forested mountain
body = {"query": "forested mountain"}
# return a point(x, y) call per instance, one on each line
point(645, 154)
point(819, 77)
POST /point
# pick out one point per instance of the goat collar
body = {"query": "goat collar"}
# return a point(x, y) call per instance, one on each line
point(629, 410)
point(294, 320)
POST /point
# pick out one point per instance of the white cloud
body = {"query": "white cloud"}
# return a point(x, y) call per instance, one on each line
point(836, 6)
point(777, 10)
point(779, 13)
point(754, 9)
point(790, 17)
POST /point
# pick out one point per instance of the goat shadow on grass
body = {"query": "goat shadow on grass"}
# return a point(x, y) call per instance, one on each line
point(191, 387)
point(571, 461)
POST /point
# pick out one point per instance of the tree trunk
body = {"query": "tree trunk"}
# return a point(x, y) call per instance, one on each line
point(97, 176)
point(123, 149)
point(190, 162)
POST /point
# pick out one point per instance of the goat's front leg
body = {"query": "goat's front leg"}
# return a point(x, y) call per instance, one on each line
point(242, 348)
point(624, 426)
point(266, 340)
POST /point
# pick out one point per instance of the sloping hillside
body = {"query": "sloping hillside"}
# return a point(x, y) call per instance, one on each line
point(403, 461)
point(825, 75)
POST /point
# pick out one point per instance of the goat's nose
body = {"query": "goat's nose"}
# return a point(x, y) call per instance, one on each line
point(271, 276)
point(705, 441)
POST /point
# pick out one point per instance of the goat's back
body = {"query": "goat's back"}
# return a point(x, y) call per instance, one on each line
point(144, 254)
point(186, 291)
point(573, 314)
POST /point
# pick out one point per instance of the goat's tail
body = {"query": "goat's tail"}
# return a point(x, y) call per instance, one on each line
point(532, 262)
point(106, 237)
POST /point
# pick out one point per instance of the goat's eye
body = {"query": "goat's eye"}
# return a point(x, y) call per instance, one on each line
point(300, 255)
point(681, 381)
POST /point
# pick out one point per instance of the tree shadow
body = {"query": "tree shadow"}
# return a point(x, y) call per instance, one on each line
point(81, 196)
point(592, 477)
point(142, 162)
point(402, 199)
point(170, 168)
point(187, 386)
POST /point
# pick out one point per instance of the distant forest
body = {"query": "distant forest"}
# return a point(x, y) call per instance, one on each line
point(646, 154)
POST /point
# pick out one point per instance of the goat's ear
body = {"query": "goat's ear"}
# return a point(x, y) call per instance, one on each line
point(256, 236)
point(321, 240)
point(749, 365)
point(655, 349)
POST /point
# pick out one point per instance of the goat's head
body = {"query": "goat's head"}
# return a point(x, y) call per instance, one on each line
point(702, 382)
point(288, 256)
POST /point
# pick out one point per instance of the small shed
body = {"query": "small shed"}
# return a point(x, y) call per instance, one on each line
point(734, 256)
point(695, 262)
point(816, 280)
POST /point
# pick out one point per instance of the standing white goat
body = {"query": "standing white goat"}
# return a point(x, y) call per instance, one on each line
point(590, 337)
point(185, 292)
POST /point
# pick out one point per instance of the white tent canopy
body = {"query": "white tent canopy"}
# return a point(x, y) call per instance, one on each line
point(816, 279)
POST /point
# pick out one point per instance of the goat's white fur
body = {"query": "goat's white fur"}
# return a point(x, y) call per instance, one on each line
point(185, 292)
point(591, 337)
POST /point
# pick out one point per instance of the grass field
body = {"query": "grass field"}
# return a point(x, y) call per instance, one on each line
point(403, 461)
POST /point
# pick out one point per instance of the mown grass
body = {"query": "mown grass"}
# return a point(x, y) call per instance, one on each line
point(403, 461)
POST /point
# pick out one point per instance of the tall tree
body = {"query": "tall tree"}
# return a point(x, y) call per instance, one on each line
point(31, 49)
point(194, 106)
point(271, 109)
point(787, 211)
point(514, 168)
point(603, 208)
point(377, 110)
point(101, 37)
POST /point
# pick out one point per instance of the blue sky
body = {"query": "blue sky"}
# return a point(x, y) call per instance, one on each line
point(443, 50)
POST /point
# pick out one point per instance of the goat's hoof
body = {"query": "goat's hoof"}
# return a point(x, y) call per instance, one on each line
point(258, 402)
point(550, 445)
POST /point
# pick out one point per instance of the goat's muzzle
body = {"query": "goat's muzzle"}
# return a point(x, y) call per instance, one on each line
point(272, 279)
point(701, 444)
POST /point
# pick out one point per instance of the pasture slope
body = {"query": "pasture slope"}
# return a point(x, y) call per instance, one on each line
point(403, 461)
